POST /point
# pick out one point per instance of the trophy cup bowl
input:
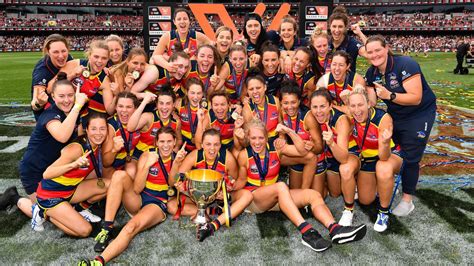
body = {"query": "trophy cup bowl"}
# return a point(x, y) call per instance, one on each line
point(203, 186)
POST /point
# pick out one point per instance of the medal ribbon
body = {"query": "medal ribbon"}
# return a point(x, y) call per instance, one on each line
point(262, 170)
point(97, 163)
point(214, 165)
point(297, 122)
point(366, 129)
point(128, 142)
point(238, 85)
point(192, 124)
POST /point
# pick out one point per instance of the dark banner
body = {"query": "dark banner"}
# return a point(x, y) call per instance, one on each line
point(314, 14)
point(157, 19)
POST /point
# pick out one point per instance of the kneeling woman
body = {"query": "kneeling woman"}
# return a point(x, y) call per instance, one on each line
point(259, 165)
point(379, 157)
point(145, 197)
point(211, 156)
point(64, 182)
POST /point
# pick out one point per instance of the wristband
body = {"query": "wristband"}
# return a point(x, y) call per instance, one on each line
point(78, 107)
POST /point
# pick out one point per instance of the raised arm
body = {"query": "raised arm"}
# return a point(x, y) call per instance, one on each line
point(62, 131)
point(71, 158)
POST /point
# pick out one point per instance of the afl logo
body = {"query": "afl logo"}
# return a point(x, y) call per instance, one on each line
point(154, 131)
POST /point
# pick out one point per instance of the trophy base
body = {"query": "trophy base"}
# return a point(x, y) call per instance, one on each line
point(201, 217)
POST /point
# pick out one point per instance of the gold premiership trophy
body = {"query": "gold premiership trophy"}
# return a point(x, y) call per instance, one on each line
point(203, 186)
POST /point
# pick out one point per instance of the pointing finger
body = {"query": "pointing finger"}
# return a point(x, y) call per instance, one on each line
point(87, 154)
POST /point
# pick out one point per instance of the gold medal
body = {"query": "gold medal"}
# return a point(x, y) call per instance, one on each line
point(235, 115)
point(100, 183)
point(128, 158)
point(86, 73)
point(203, 103)
point(170, 192)
point(135, 75)
point(262, 183)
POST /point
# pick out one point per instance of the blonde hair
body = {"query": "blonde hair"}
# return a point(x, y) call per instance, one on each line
point(360, 90)
point(114, 38)
point(255, 123)
point(96, 44)
point(238, 46)
point(224, 28)
point(319, 32)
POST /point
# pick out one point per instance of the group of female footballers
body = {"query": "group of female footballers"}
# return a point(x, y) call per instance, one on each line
point(125, 128)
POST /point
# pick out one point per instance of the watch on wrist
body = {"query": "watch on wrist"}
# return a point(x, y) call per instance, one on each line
point(37, 105)
point(393, 95)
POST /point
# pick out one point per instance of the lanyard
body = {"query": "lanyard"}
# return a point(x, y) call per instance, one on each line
point(297, 122)
point(192, 124)
point(97, 163)
point(367, 124)
point(214, 165)
point(163, 168)
point(344, 87)
point(326, 61)
point(238, 86)
point(262, 169)
point(127, 142)
point(187, 39)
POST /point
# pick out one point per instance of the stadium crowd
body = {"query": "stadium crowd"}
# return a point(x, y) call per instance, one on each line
point(72, 22)
point(244, 109)
point(415, 20)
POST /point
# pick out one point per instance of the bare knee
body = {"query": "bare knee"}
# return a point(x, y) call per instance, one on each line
point(83, 230)
point(282, 187)
point(172, 207)
point(384, 172)
point(246, 195)
point(132, 227)
point(310, 157)
point(346, 171)
point(314, 197)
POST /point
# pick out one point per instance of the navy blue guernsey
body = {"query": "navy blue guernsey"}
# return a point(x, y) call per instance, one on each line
point(43, 149)
point(273, 83)
point(351, 46)
point(400, 69)
point(43, 72)
point(271, 36)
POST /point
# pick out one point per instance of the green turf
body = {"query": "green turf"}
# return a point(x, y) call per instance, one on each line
point(15, 75)
point(16, 68)
point(438, 232)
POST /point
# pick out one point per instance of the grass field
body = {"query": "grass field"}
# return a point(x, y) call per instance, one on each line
point(440, 231)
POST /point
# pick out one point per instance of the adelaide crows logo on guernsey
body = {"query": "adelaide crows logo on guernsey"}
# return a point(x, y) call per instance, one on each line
point(154, 171)
point(254, 169)
point(185, 117)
